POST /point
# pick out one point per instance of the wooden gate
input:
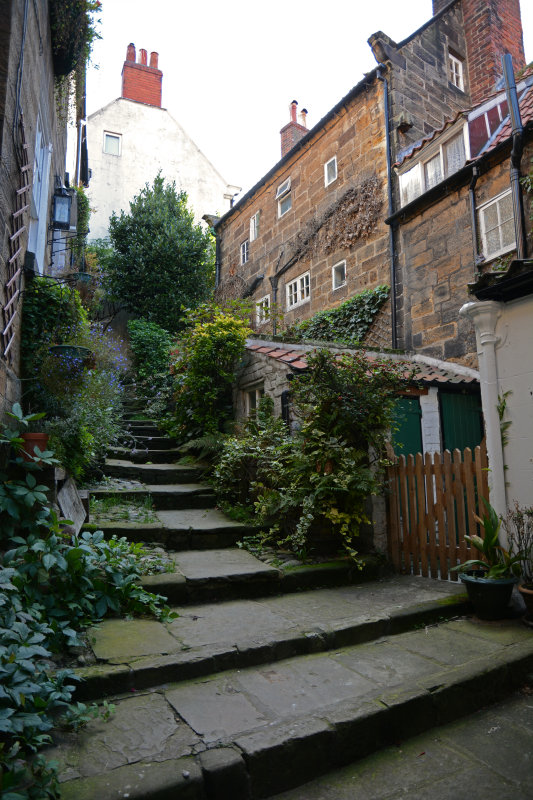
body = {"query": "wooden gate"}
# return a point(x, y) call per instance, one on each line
point(432, 502)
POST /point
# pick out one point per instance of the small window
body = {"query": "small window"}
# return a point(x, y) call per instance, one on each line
point(330, 171)
point(449, 158)
point(245, 251)
point(252, 398)
point(497, 226)
point(432, 171)
point(254, 227)
point(456, 71)
point(112, 143)
point(338, 273)
point(299, 291)
point(454, 154)
point(262, 310)
point(284, 197)
point(410, 185)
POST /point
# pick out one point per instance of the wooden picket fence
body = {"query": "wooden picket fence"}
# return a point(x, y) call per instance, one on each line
point(432, 503)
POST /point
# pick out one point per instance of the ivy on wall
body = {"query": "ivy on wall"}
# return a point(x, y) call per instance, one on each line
point(348, 323)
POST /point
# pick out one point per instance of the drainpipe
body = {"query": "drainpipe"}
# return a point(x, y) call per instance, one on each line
point(392, 255)
point(274, 283)
point(516, 155)
point(485, 315)
point(217, 259)
point(473, 214)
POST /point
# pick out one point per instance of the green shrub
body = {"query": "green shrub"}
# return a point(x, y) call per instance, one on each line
point(348, 322)
point(204, 370)
point(150, 346)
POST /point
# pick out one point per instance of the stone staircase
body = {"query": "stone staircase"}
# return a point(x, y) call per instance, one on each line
point(268, 677)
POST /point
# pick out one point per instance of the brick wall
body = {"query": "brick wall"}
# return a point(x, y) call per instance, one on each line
point(492, 28)
point(356, 137)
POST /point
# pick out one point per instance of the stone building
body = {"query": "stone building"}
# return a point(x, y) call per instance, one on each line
point(32, 165)
point(312, 233)
point(133, 138)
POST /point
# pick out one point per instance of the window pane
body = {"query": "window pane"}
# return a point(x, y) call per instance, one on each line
point(507, 234)
point(454, 154)
point(490, 216)
point(433, 172)
point(506, 208)
point(410, 185)
point(304, 287)
point(111, 144)
point(493, 241)
point(285, 204)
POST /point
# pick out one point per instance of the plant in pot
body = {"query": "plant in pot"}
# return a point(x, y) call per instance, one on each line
point(489, 580)
point(30, 438)
point(519, 527)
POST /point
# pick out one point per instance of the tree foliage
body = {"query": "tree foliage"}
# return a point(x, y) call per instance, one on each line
point(163, 261)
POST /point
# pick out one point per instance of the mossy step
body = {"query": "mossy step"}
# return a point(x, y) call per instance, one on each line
point(153, 473)
point(166, 497)
point(175, 538)
point(146, 455)
point(156, 442)
point(142, 429)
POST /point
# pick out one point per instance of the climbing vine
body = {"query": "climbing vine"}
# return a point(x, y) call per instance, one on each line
point(348, 323)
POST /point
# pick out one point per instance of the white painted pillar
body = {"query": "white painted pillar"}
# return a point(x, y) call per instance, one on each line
point(431, 433)
point(484, 314)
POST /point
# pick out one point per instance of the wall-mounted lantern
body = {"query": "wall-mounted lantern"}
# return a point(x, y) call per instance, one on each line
point(61, 209)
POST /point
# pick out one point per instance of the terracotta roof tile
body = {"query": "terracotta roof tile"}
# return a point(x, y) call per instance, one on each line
point(291, 356)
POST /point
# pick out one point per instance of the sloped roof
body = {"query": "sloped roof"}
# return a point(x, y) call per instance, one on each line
point(424, 372)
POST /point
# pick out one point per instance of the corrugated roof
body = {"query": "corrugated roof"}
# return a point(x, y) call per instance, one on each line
point(415, 371)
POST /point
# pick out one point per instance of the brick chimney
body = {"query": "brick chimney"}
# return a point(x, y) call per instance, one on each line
point(293, 131)
point(492, 28)
point(141, 82)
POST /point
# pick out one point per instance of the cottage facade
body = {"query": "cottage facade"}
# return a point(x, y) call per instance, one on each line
point(133, 138)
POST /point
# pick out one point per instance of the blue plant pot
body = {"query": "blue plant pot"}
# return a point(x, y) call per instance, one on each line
point(489, 596)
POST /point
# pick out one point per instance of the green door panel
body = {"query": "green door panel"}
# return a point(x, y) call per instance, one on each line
point(462, 421)
point(407, 417)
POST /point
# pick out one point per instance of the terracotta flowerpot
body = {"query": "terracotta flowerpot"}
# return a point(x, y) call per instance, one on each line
point(31, 441)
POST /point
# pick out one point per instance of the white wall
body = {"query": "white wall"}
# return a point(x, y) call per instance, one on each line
point(151, 140)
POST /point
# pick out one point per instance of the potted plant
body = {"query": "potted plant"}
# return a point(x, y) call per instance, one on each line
point(489, 580)
point(519, 526)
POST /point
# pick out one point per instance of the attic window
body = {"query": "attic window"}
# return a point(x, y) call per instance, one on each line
point(438, 161)
point(456, 71)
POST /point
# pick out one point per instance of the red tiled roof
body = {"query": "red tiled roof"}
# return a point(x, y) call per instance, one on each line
point(526, 112)
point(415, 371)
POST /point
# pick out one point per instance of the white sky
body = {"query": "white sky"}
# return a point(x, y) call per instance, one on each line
point(230, 69)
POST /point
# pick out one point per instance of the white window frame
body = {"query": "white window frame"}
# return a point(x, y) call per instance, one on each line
point(252, 397)
point(456, 71)
point(482, 229)
point(334, 273)
point(327, 180)
point(245, 251)
point(417, 171)
point(283, 194)
point(298, 291)
point(262, 310)
point(112, 135)
point(254, 226)
point(39, 204)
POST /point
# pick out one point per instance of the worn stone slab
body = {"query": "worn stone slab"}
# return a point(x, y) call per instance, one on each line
point(118, 640)
point(221, 563)
point(225, 774)
point(141, 728)
point(158, 781)
point(198, 519)
point(445, 646)
point(385, 663)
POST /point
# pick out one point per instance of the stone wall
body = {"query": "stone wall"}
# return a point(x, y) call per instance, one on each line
point(355, 135)
point(437, 262)
point(35, 96)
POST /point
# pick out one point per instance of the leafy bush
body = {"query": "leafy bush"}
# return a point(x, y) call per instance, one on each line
point(348, 322)
point(318, 480)
point(150, 345)
point(162, 260)
point(204, 370)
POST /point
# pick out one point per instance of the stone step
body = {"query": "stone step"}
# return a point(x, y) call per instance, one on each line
point(252, 731)
point(153, 473)
point(212, 637)
point(142, 429)
point(232, 573)
point(189, 529)
point(145, 456)
point(152, 442)
point(169, 497)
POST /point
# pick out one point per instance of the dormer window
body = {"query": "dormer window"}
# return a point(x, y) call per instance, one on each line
point(438, 161)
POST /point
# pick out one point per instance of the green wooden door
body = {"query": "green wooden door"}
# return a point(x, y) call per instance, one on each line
point(408, 436)
point(462, 421)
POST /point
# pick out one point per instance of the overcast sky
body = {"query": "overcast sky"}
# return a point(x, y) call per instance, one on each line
point(230, 69)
